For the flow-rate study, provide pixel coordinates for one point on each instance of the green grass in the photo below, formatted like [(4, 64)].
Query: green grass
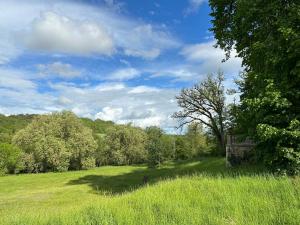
[(199, 192)]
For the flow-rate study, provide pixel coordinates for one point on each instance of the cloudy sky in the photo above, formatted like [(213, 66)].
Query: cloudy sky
[(119, 60)]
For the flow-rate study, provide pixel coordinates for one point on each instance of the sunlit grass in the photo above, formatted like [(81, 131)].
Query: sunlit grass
[(201, 192)]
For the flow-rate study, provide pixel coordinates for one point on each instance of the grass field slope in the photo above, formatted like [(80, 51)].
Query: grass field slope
[(195, 192)]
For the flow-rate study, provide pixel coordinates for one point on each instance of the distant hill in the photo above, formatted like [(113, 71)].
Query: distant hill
[(98, 126), (9, 125)]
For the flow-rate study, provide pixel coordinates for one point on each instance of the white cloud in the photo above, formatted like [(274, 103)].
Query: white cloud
[(61, 34), (146, 54), (64, 101), (140, 105), (181, 72), (109, 114), (19, 94), (142, 119), (123, 74), (15, 16), (60, 69), (14, 79), (75, 27), (145, 122), (193, 6), (147, 42), (199, 60), (142, 89), (209, 59), (202, 51), (7, 50), (110, 87)]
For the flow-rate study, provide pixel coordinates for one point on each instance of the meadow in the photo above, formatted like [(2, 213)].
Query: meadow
[(192, 192)]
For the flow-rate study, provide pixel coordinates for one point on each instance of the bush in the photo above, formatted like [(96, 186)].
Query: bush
[(88, 163), (285, 157), (125, 145), (29, 163), (10, 158)]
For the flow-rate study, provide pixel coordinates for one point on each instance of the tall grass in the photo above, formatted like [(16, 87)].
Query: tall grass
[(202, 192)]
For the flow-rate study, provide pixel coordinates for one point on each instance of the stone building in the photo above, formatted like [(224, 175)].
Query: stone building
[(237, 150)]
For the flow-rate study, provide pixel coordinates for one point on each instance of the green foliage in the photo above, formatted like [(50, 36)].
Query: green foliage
[(88, 163), (182, 148), (30, 164), (10, 158), (154, 146), (102, 152), (98, 126), (286, 157), (194, 143), (126, 145), (198, 143), (266, 35), (168, 147), (9, 125), (56, 142)]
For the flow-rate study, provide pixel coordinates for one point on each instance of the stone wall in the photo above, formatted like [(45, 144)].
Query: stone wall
[(236, 150)]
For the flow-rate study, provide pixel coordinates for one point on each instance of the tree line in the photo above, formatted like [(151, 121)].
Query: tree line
[(61, 141)]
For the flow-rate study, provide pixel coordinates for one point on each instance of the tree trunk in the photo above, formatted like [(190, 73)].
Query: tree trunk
[(221, 143)]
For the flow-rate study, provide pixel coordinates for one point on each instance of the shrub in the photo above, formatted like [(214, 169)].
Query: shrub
[(126, 145), (88, 163), (29, 163), (10, 158)]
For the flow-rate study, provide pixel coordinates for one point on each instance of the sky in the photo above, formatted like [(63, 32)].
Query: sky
[(118, 60)]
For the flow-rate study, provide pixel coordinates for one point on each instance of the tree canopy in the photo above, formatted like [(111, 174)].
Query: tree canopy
[(56, 142), (125, 145)]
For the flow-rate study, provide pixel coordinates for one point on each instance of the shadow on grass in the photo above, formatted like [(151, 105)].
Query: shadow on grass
[(213, 167)]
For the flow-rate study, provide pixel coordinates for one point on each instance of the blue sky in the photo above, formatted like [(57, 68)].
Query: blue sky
[(109, 59)]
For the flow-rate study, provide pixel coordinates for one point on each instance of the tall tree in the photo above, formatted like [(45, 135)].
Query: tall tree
[(205, 103), (56, 142), (155, 145), (125, 145), (266, 35)]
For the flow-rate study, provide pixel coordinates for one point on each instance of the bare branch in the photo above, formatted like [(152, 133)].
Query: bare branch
[(204, 103)]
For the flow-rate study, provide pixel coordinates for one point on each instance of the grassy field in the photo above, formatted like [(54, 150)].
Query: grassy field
[(199, 192)]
